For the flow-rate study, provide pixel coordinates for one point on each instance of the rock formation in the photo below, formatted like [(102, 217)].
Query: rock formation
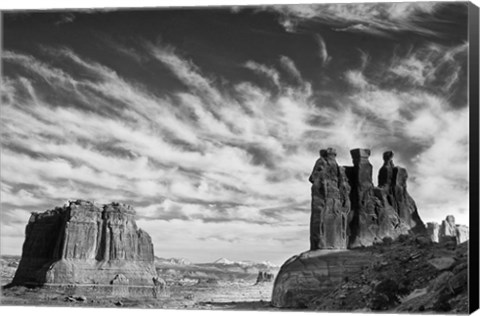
[(369, 224), (264, 276), (313, 274), (160, 288), (448, 231), (462, 233), (330, 203), (84, 243), (348, 211), (378, 212), (433, 231)]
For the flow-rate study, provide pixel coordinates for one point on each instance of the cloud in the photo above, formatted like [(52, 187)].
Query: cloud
[(322, 49), (270, 73), (213, 156), (361, 28), (377, 19), (289, 65), (434, 66), (430, 130), (184, 70), (20, 198), (356, 79), (65, 18)]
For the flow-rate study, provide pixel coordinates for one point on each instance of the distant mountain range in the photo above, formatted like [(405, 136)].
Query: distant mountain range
[(173, 261), (221, 261), (225, 261)]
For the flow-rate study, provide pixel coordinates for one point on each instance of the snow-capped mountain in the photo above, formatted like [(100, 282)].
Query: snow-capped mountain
[(173, 261), (269, 264), (224, 261), (244, 263)]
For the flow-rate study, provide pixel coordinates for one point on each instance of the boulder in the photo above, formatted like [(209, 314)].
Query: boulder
[(313, 274), (85, 243), (119, 279), (442, 263), (330, 203)]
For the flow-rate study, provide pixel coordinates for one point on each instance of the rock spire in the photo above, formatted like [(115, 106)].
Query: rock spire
[(330, 203), (349, 211)]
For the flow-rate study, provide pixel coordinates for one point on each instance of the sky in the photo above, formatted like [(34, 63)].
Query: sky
[(209, 121)]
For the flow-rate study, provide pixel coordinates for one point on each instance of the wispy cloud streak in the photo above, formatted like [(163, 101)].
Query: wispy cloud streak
[(380, 19)]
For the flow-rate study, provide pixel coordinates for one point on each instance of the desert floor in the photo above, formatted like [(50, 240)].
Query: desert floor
[(227, 296)]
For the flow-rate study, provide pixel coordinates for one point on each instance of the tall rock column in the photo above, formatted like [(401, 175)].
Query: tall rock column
[(330, 203), (385, 174), (405, 205), (364, 214), (392, 180)]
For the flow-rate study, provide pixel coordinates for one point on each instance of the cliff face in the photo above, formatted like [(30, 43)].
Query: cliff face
[(348, 211), (378, 212), (330, 203), (85, 244)]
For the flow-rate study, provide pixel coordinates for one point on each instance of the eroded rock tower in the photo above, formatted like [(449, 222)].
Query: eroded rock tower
[(86, 243), (348, 211)]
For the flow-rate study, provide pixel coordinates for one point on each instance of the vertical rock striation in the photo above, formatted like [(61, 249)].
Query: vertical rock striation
[(330, 203), (83, 243), (384, 211), (348, 211), (364, 226)]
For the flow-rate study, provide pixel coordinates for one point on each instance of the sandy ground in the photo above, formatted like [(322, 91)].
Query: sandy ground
[(226, 296), (241, 293)]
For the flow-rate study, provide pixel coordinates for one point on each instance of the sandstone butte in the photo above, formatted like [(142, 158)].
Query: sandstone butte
[(347, 212), (447, 230), (85, 243)]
